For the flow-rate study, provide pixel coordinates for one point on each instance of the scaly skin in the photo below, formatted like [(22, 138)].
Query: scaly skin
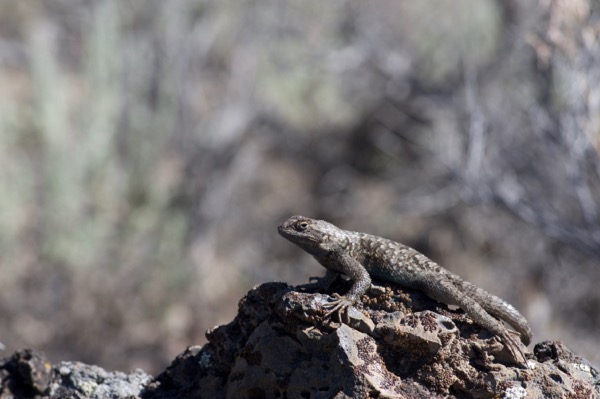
[(361, 256)]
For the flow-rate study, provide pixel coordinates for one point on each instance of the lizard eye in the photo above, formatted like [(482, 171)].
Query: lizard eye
[(301, 226)]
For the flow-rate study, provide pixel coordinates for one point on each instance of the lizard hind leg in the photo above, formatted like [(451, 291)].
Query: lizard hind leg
[(497, 307), (445, 290), (509, 314)]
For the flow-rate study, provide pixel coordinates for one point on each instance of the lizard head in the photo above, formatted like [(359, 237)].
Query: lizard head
[(309, 234)]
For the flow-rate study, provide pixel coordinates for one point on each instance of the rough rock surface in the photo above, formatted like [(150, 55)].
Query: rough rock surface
[(27, 374), (400, 344)]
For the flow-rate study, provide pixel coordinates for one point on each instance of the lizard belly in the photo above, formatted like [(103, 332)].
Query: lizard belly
[(390, 272)]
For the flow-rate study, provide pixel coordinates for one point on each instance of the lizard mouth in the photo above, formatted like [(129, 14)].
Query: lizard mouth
[(282, 229), (287, 232)]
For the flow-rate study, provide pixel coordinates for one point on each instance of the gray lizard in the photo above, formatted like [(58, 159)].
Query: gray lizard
[(360, 256)]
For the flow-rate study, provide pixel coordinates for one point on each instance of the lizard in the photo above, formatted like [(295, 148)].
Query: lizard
[(362, 256)]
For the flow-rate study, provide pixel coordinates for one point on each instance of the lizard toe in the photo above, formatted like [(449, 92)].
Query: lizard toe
[(514, 348), (339, 306)]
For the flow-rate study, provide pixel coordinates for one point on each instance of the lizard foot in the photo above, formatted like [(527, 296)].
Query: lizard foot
[(339, 306), (514, 348)]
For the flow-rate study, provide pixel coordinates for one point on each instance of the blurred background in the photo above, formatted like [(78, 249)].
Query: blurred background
[(149, 149)]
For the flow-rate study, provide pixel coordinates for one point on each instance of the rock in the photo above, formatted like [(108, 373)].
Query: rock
[(421, 335), (403, 345), (74, 378), (397, 344), (27, 374)]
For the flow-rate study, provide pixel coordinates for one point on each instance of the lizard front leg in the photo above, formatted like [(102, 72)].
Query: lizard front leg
[(347, 265), (319, 284)]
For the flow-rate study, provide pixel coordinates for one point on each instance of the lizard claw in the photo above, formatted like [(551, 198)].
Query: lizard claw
[(514, 348), (340, 306)]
